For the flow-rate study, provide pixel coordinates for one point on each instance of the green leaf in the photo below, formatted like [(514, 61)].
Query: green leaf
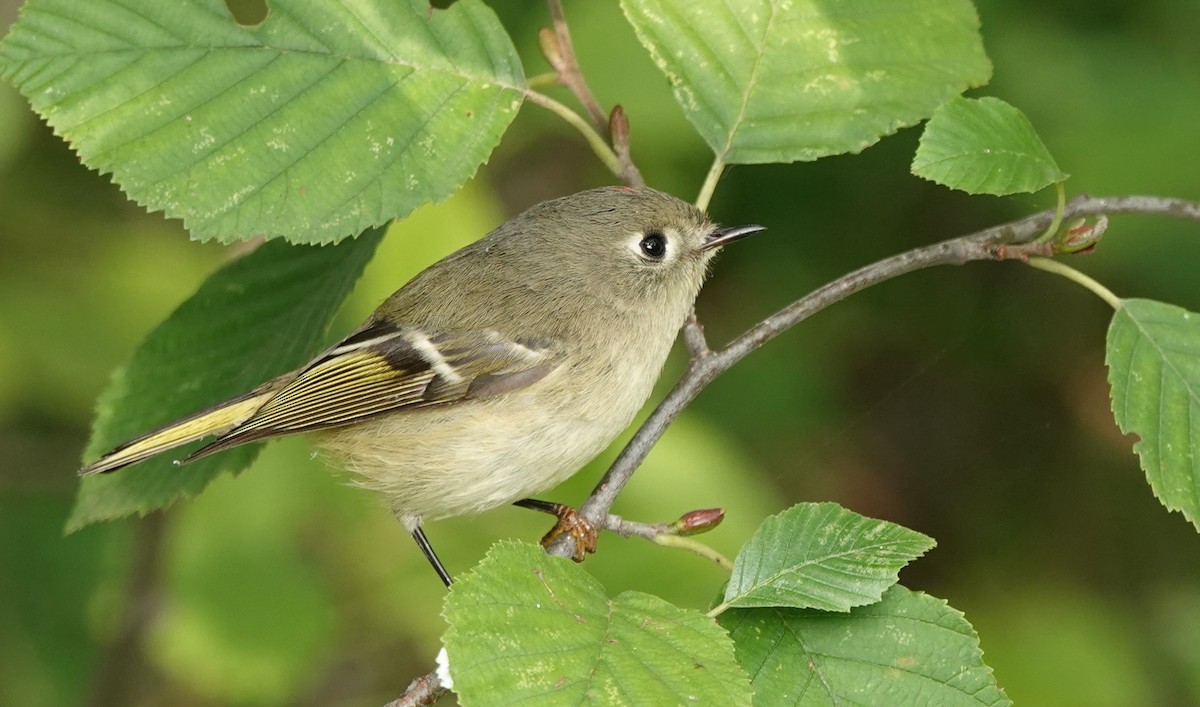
[(258, 317), (527, 628), (908, 649), (984, 146), (324, 120), (1153, 356), (787, 80), (821, 556)]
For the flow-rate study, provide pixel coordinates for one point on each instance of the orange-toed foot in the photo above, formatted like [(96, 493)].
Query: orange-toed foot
[(570, 522)]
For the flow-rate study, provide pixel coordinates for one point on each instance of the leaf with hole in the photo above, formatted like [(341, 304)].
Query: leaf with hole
[(323, 120), (1153, 357)]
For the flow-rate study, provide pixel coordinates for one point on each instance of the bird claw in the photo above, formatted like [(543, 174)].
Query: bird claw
[(573, 523)]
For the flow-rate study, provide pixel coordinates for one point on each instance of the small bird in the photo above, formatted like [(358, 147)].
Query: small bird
[(495, 373)]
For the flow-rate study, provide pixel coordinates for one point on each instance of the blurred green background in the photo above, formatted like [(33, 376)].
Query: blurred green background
[(968, 403)]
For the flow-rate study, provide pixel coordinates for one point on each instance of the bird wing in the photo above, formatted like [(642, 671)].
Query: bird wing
[(385, 368)]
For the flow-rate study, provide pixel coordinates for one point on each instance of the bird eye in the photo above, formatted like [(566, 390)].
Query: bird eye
[(654, 245)]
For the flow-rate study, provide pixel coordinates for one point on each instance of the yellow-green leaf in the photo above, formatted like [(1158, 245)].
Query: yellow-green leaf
[(788, 80), (325, 119), (530, 629)]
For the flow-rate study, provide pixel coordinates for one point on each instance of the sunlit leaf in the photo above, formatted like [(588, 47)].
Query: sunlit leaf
[(822, 556), (527, 628), (787, 80), (325, 119)]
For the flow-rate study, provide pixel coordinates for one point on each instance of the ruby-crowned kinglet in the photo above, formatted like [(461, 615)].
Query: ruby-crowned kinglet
[(498, 371)]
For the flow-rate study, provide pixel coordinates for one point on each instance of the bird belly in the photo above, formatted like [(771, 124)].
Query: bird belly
[(468, 458)]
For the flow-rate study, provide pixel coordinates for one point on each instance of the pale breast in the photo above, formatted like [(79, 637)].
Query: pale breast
[(477, 455)]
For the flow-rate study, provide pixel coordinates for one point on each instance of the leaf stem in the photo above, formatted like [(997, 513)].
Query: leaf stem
[(717, 610), (710, 184), (567, 65), (662, 534), (1058, 214), (542, 80), (1054, 266), (695, 547), (559, 51), (597, 142)]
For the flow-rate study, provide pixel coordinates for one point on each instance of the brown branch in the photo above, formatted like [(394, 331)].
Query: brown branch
[(618, 132), (421, 692), (567, 67), (693, 337), (559, 50), (690, 523), (1015, 240)]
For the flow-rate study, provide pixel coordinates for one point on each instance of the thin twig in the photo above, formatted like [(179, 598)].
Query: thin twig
[(631, 528), (1085, 205), (559, 50), (1014, 240), (618, 132), (665, 535), (595, 139), (693, 337), (421, 692), (568, 67)]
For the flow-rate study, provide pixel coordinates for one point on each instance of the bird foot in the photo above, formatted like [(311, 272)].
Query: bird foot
[(572, 522)]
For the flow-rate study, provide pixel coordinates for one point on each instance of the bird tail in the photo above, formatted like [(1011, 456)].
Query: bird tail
[(217, 419)]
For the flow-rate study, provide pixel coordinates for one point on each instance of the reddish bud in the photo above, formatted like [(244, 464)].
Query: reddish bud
[(1083, 235), (696, 522), (618, 126)]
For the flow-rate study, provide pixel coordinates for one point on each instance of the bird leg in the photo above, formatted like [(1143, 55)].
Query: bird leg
[(423, 543), (570, 521)]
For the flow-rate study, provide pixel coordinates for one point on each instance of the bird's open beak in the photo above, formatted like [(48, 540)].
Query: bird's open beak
[(729, 234)]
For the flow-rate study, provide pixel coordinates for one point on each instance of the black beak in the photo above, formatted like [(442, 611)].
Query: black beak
[(729, 234)]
